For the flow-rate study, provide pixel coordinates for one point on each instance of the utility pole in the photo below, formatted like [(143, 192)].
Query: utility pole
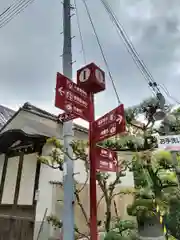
[(68, 134)]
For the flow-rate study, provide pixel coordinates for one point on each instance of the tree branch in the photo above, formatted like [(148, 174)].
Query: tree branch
[(136, 126), (101, 198), (116, 194), (81, 234), (84, 185), (81, 207), (169, 185)]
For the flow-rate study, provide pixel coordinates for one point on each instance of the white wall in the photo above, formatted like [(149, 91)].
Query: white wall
[(45, 192), (10, 180), (27, 182), (44, 200)]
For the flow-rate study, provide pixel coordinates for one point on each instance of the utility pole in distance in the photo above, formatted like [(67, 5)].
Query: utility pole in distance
[(68, 211)]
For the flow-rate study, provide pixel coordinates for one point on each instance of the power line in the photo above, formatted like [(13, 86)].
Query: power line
[(164, 88), (80, 33), (131, 49), (134, 54), (102, 52), (13, 11), (7, 9), (4, 11)]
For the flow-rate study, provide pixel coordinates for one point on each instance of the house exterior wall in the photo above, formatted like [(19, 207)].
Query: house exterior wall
[(48, 194), (121, 202), (10, 181), (44, 200), (26, 190), (53, 193)]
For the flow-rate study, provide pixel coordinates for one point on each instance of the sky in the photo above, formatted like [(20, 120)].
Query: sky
[(31, 47)]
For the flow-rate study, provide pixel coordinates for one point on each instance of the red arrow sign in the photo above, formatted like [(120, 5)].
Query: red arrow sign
[(65, 117), (71, 98), (109, 125), (106, 160)]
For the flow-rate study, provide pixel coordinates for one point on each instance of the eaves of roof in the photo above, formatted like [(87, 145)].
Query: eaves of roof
[(41, 113)]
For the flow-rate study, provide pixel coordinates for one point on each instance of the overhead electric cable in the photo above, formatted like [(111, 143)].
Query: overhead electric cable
[(80, 33), (13, 11), (125, 36), (131, 49), (4, 11), (11, 5), (102, 52), (164, 88)]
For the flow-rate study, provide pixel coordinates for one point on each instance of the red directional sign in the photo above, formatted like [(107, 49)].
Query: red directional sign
[(106, 160), (71, 98), (65, 117), (110, 124)]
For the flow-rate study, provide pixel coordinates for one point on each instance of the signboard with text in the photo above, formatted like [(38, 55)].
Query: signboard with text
[(71, 98), (65, 117), (109, 125), (106, 160), (169, 142)]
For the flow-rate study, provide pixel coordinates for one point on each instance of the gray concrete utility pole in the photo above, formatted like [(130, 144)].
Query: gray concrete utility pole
[(68, 134)]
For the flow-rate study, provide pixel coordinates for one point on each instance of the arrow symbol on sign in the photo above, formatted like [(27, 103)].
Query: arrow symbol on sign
[(61, 117), (115, 161), (60, 90), (119, 119), (70, 85), (110, 155)]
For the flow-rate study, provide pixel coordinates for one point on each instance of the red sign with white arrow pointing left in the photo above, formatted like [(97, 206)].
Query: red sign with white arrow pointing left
[(109, 125), (71, 98), (65, 117)]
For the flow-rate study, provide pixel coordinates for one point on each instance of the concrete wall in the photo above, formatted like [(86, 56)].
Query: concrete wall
[(120, 201), (51, 193)]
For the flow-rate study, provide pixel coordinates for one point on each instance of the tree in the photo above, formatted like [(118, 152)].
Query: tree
[(155, 185), (54, 159), (151, 175), (123, 230), (172, 219)]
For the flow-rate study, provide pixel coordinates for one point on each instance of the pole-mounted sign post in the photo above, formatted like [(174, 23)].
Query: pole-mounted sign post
[(77, 100)]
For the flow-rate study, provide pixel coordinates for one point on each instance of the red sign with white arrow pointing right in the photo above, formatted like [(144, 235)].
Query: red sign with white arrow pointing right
[(109, 125), (106, 160)]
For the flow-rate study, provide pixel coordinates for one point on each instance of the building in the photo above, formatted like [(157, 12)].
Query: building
[(30, 190)]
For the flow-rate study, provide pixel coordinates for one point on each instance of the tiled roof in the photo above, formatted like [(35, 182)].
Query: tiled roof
[(5, 115)]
